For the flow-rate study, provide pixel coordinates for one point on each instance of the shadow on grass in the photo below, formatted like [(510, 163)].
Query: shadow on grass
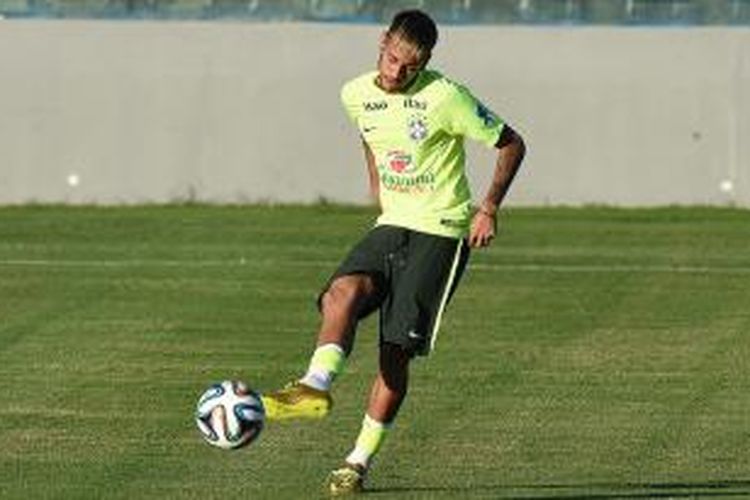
[(593, 491)]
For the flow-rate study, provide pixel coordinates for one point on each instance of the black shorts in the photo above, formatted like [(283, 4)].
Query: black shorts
[(415, 275)]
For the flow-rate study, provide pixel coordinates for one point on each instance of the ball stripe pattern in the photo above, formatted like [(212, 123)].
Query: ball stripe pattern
[(230, 415)]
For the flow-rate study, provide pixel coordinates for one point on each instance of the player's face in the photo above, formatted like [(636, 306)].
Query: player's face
[(399, 63)]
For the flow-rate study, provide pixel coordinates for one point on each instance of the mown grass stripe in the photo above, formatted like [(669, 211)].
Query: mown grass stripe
[(532, 268)]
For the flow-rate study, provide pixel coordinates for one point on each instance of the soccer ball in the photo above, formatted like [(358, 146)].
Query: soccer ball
[(230, 415)]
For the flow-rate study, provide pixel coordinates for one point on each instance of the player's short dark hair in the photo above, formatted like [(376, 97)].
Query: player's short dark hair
[(415, 27)]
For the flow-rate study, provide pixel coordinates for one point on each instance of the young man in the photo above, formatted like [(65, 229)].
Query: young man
[(413, 122)]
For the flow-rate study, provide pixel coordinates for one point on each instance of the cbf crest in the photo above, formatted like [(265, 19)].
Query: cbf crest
[(417, 127)]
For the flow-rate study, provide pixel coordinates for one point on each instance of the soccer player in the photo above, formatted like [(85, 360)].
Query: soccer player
[(412, 121)]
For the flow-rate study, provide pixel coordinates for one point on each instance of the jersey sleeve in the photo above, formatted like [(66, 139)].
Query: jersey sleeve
[(348, 101), (465, 115)]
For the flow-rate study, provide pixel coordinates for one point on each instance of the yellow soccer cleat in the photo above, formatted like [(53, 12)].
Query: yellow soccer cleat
[(297, 400), (347, 480)]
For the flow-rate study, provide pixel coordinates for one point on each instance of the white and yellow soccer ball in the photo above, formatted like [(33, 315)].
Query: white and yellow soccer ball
[(230, 415)]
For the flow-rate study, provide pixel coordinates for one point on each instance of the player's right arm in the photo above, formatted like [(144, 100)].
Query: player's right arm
[(372, 173), (352, 102)]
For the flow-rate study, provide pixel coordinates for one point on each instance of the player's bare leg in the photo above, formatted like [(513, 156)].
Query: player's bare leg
[(341, 305), (387, 393), (390, 385), (309, 397)]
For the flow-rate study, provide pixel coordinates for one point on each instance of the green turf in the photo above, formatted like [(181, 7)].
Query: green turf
[(590, 353)]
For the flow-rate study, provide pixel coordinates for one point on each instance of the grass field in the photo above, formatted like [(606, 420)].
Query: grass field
[(590, 353)]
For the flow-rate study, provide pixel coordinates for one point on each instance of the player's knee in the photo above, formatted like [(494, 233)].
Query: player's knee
[(337, 296), (345, 293)]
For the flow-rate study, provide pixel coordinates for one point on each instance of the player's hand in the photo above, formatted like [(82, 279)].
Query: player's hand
[(483, 229)]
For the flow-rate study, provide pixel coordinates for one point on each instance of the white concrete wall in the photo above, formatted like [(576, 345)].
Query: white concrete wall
[(238, 112)]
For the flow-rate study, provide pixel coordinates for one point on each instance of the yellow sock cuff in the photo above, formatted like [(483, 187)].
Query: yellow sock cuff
[(328, 358), (371, 436)]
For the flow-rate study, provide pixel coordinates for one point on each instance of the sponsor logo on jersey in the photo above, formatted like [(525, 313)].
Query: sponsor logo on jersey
[(411, 103), (375, 106), (399, 162), (397, 173), (411, 184)]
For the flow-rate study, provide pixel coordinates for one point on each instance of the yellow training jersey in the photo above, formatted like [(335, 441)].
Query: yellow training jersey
[(417, 138)]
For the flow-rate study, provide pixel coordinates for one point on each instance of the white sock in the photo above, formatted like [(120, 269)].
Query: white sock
[(369, 441), (318, 380)]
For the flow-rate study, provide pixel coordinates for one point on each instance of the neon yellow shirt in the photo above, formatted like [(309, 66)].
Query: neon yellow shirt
[(417, 139)]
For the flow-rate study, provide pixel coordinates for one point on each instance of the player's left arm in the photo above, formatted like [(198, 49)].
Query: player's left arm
[(372, 173), (511, 151)]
